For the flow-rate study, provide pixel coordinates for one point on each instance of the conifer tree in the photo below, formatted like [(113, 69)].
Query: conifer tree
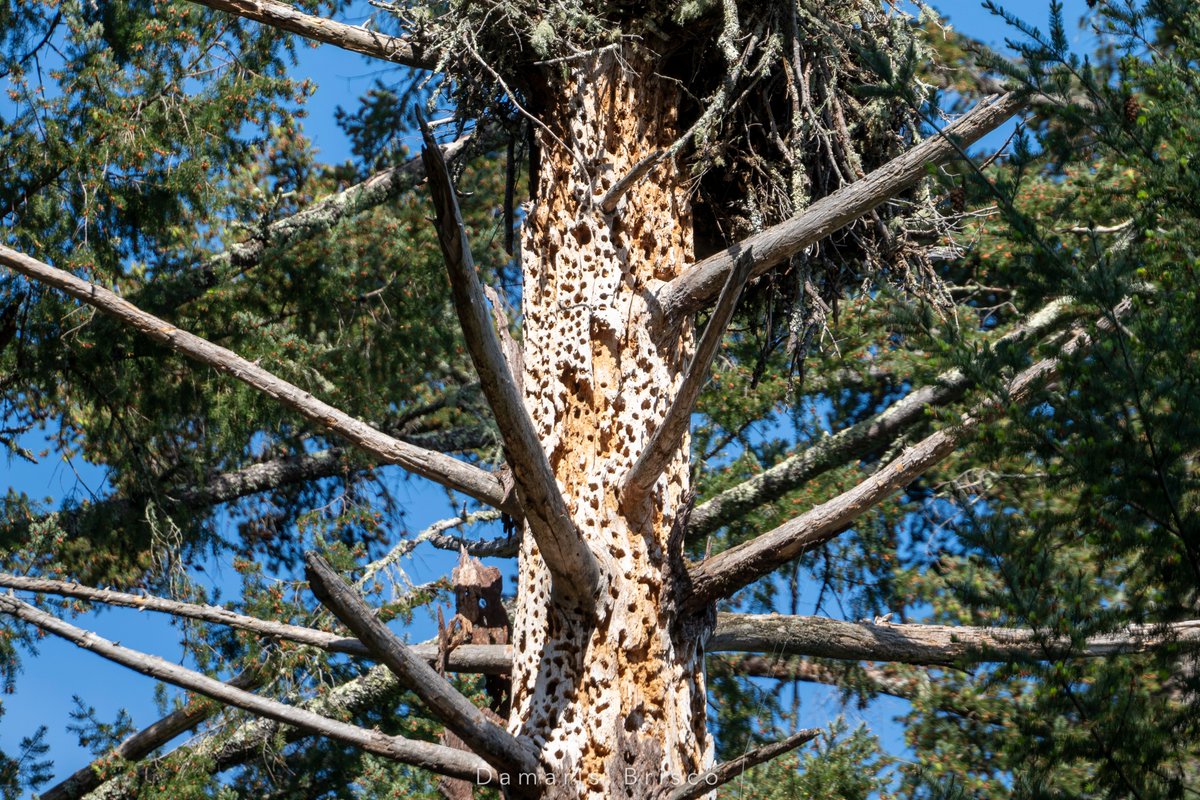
[(695, 304)]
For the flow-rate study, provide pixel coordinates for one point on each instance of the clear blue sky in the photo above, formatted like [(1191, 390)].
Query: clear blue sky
[(45, 688)]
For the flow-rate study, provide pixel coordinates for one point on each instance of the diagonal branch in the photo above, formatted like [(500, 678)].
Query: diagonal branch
[(575, 571), (702, 784), (675, 423), (699, 284), (465, 658), (729, 571), (497, 746), (268, 475), (436, 758), (323, 215), (397, 49), (858, 439), (141, 744), (437, 467), (257, 738)]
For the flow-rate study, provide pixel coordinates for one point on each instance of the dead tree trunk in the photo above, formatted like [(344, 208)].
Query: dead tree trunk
[(614, 696)]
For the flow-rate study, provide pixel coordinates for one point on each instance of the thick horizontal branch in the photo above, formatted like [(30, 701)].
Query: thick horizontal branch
[(575, 571), (493, 743), (699, 284), (664, 442), (436, 758), (943, 645), (142, 743), (857, 440), (437, 467), (731, 570), (815, 637), (397, 49), (700, 785)]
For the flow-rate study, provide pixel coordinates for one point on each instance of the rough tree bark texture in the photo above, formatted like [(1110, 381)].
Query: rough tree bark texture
[(615, 700)]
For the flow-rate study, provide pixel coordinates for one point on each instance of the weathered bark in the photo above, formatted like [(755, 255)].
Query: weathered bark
[(503, 751), (438, 759), (615, 699), (479, 618), (438, 467), (357, 39)]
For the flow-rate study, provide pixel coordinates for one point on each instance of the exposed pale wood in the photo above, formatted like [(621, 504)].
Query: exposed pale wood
[(608, 203), (699, 284), (856, 440), (664, 442), (510, 347), (435, 758), (490, 741), (577, 576), (729, 571), (438, 467), (725, 772), (397, 49)]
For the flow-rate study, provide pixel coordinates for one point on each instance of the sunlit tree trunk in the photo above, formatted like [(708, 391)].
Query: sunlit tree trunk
[(616, 702)]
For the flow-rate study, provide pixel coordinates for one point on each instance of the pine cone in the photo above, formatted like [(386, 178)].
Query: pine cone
[(958, 198), (1132, 109)]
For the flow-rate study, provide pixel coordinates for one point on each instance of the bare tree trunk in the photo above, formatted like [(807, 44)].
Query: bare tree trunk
[(613, 696)]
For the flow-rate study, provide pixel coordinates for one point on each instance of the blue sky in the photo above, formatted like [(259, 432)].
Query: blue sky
[(45, 688)]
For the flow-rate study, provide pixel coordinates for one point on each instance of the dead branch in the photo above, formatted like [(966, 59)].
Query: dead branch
[(699, 284), (467, 658), (397, 49), (576, 573), (323, 215), (140, 744), (944, 645), (608, 203), (426, 755), (815, 637), (494, 744), (257, 738), (677, 420), (437, 467), (700, 785), (858, 439), (729, 571)]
